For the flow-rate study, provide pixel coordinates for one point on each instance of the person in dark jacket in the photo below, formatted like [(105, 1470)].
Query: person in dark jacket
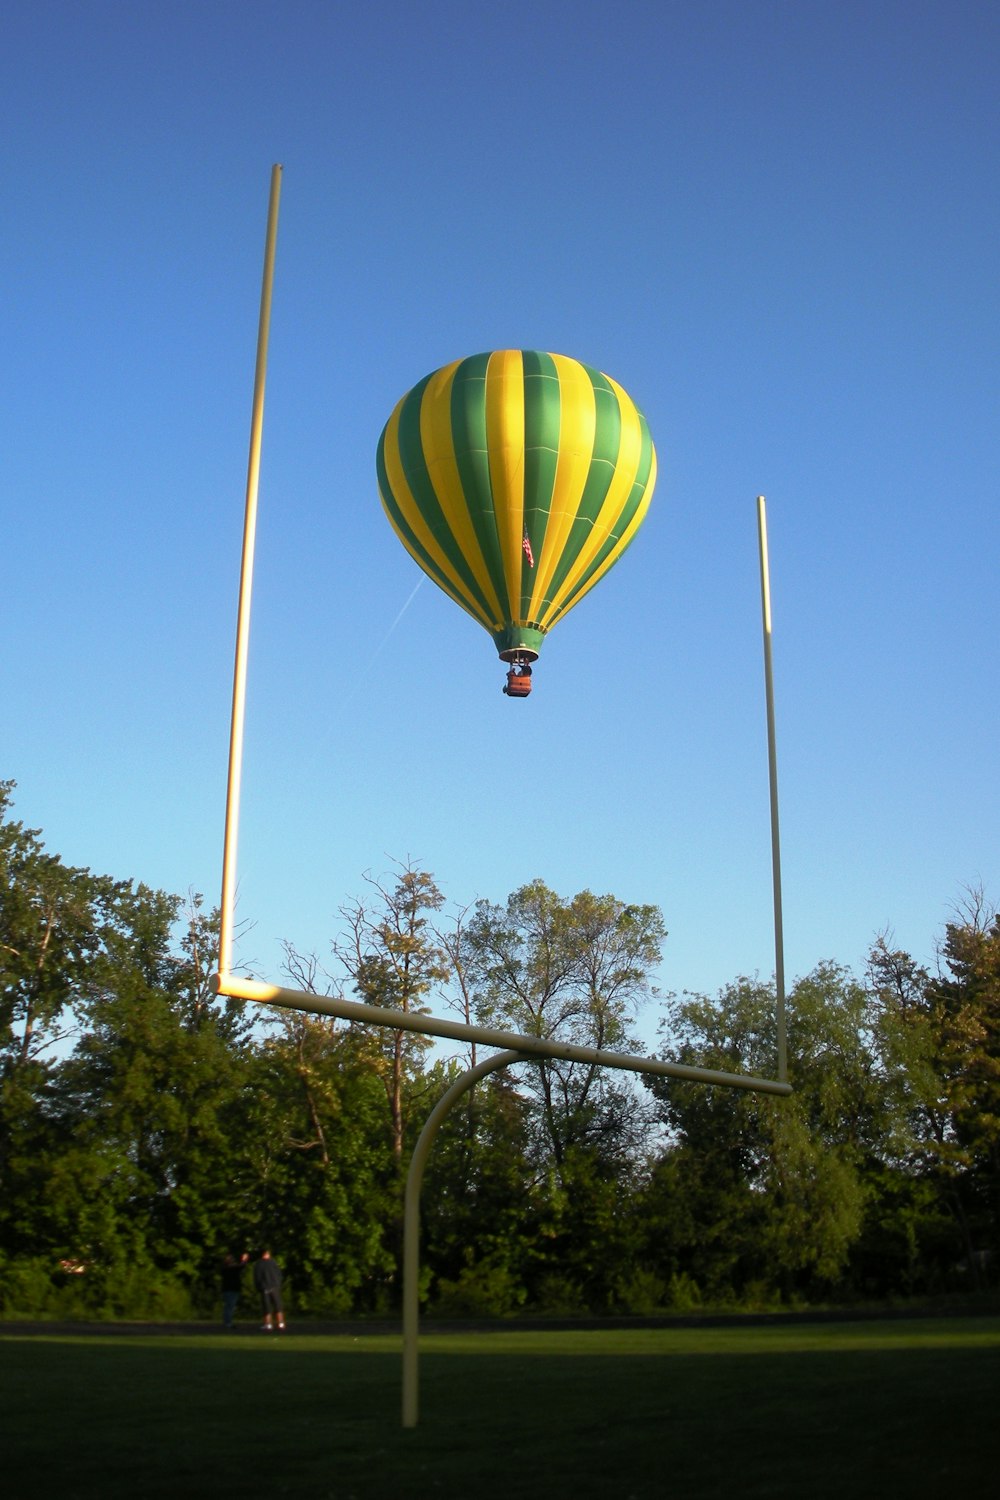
[(267, 1280), (232, 1285)]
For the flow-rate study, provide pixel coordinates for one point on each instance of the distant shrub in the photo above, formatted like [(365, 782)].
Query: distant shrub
[(683, 1293), (483, 1289), (32, 1288), (36, 1287), (145, 1293), (759, 1296), (643, 1293), (321, 1302), (559, 1297)]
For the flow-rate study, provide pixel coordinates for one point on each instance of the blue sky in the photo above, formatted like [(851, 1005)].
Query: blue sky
[(776, 224)]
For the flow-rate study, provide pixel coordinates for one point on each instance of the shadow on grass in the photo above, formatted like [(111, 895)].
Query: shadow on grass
[(152, 1418)]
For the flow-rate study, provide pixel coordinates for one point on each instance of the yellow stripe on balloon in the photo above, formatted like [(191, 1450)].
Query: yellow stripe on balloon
[(577, 430), (422, 534), (438, 444), (505, 444), (623, 541), (629, 455)]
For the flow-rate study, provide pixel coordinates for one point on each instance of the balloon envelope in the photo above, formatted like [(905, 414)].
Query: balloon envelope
[(516, 479)]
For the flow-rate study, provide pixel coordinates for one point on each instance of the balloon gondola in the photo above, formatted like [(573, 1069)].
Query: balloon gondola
[(516, 479), (518, 684)]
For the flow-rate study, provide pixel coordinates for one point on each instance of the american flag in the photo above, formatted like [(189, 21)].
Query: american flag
[(526, 548)]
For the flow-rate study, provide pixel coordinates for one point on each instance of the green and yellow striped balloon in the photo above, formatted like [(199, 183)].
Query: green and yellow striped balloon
[(516, 479)]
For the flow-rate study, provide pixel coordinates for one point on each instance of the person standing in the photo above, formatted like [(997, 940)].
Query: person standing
[(232, 1285), (267, 1280)]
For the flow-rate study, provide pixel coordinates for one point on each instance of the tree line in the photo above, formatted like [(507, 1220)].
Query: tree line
[(147, 1126)]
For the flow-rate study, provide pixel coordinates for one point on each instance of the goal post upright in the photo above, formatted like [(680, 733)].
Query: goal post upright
[(772, 771), (227, 918)]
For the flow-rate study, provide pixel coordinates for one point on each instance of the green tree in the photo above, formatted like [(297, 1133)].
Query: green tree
[(576, 971), (51, 918), (147, 1109), (480, 1203), (942, 1036), (390, 955), (318, 1165), (774, 1189)]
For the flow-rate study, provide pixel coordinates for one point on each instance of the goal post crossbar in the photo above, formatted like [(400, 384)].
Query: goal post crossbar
[(238, 988)]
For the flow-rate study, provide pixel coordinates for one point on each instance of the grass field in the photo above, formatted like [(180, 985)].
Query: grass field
[(807, 1410)]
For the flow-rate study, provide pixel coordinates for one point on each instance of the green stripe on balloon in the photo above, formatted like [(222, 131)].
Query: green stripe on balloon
[(468, 430), (612, 548), (542, 418), (607, 445), (411, 454)]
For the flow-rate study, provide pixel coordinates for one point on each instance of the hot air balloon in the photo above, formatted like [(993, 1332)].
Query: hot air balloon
[(516, 479)]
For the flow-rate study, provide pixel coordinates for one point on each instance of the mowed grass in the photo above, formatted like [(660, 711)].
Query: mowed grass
[(840, 1409)]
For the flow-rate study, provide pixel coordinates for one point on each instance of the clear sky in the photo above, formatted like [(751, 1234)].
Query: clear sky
[(776, 224)]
